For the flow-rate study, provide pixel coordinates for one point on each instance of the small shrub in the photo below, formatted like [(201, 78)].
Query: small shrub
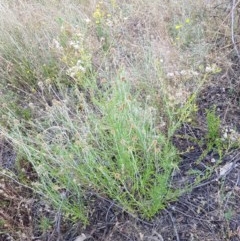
[(115, 150), (213, 128)]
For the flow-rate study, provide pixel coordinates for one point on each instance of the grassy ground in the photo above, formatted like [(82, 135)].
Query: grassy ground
[(112, 108)]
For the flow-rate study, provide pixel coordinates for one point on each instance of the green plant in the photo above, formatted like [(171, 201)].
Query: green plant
[(101, 17), (213, 130), (114, 150), (2, 223), (228, 214), (128, 159), (45, 224)]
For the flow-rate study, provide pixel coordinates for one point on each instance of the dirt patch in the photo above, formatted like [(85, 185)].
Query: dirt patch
[(7, 154), (223, 93)]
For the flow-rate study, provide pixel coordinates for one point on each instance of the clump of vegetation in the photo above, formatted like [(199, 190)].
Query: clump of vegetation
[(213, 130), (89, 120)]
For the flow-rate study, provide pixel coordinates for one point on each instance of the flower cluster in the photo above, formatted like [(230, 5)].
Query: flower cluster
[(182, 73), (73, 53), (99, 13), (77, 70)]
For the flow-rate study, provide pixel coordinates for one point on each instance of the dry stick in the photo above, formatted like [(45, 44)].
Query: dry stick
[(193, 217), (113, 204), (234, 4), (174, 226), (230, 193), (106, 217), (234, 161), (16, 181), (159, 236)]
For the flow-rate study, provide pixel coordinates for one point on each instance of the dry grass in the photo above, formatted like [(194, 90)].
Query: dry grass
[(140, 37)]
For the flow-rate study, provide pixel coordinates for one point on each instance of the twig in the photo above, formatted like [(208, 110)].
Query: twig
[(121, 208), (234, 4), (106, 217), (205, 183), (158, 238), (234, 161), (174, 226), (2, 172), (230, 193), (187, 215)]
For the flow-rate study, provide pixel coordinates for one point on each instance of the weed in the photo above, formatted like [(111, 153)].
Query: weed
[(2, 223), (133, 162), (213, 130), (45, 224), (101, 18), (122, 156), (228, 215)]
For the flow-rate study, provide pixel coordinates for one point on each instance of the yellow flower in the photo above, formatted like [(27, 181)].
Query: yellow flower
[(178, 26), (113, 2), (187, 20), (99, 14)]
